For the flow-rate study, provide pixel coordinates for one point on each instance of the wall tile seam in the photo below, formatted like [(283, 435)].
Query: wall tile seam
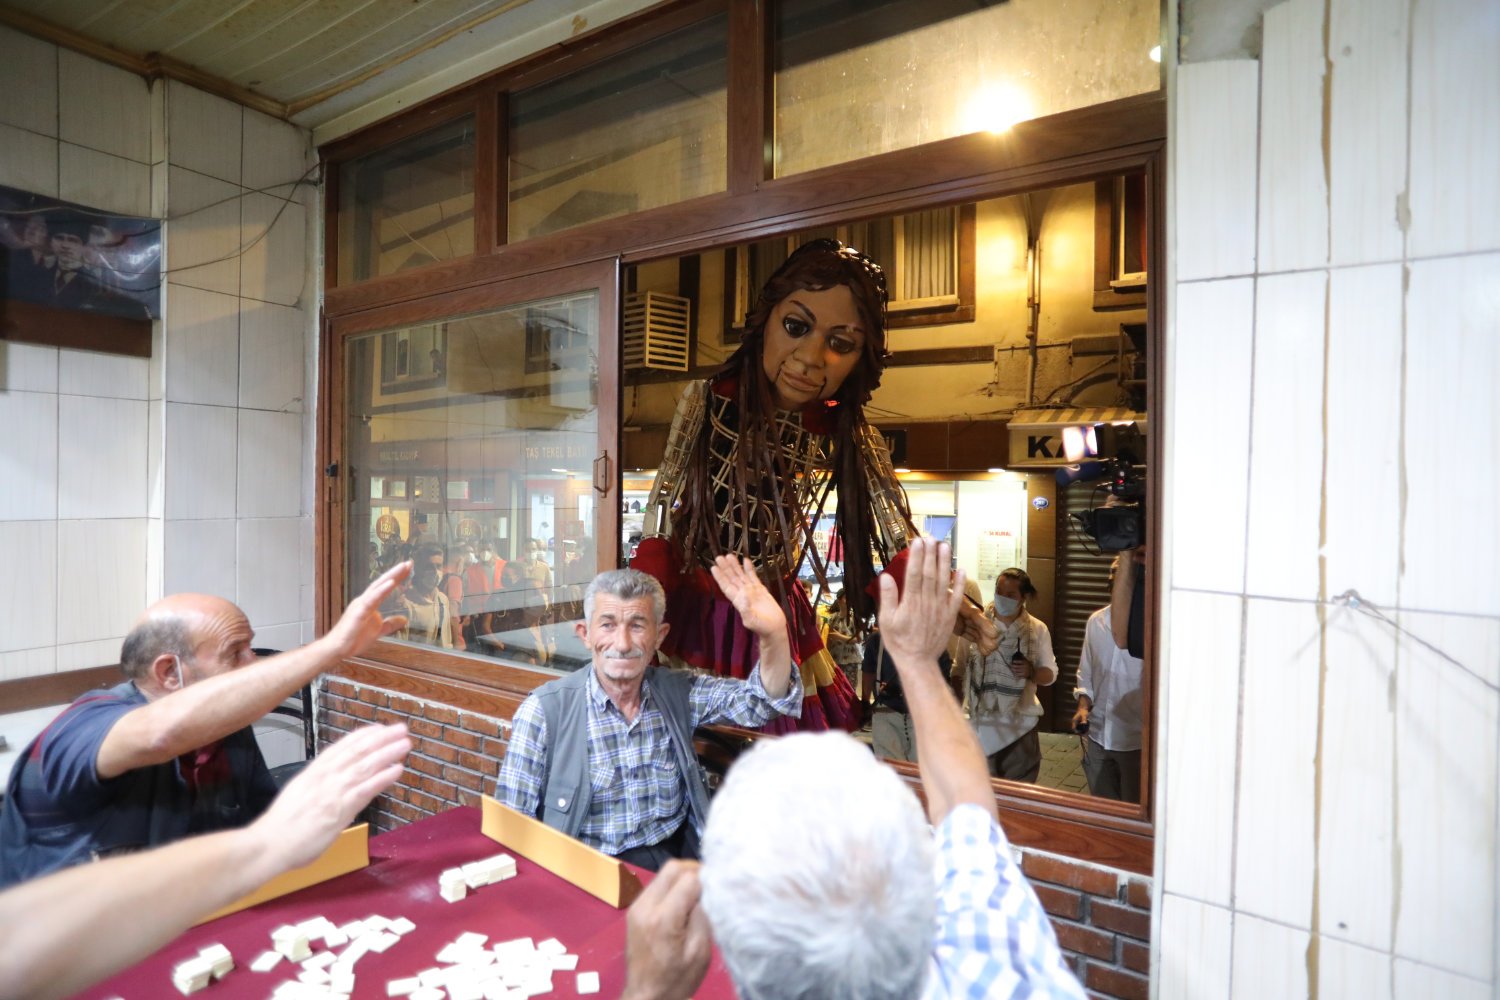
[(1389, 608), (57, 138), (178, 166)]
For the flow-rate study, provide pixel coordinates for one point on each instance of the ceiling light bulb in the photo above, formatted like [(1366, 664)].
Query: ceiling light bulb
[(1155, 53)]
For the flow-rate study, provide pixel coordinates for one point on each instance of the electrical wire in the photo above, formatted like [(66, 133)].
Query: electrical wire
[(286, 200)]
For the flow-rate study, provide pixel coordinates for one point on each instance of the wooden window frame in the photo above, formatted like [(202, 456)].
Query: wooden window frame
[(1108, 233), (900, 315), (1073, 147)]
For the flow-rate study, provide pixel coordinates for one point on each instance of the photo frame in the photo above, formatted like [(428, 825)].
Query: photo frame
[(74, 276)]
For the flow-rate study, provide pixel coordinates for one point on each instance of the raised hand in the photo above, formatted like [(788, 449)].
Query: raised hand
[(915, 624), (362, 623), (321, 801), (758, 609)]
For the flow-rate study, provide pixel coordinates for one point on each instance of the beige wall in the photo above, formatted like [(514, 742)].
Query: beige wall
[(1328, 782), (123, 478)]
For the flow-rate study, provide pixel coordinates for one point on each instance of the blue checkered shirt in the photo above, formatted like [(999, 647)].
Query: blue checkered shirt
[(637, 796), (993, 938)]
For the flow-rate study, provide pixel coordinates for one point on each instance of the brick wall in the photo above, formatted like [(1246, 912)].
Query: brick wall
[(1102, 916), (455, 755)]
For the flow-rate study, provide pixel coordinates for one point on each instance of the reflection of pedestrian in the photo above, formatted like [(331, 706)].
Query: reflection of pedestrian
[(1109, 705), (1003, 706)]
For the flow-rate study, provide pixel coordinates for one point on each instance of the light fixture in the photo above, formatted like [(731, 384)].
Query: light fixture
[(1155, 53), (994, 472), (903, 472), (994, 108)]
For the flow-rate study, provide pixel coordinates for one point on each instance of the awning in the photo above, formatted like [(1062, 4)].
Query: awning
[(1076, 416)]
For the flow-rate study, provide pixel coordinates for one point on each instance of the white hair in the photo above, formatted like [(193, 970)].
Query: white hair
[(628, 585), (818, 873)]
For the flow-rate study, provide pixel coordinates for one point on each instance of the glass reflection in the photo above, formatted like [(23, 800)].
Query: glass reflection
[(470, 445)]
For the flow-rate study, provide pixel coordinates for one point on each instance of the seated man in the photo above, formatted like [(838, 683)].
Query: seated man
[(606, 754), (818, 876), (169, 752)]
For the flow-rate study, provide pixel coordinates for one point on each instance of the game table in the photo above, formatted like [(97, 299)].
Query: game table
[(402, 881)]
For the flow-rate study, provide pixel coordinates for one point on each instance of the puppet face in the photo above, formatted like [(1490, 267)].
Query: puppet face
[(813, 341)]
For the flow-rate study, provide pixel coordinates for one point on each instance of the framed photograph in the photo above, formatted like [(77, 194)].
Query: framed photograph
[(77, 277)]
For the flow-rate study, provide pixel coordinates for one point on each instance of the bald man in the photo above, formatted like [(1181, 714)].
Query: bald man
[(169, 752)]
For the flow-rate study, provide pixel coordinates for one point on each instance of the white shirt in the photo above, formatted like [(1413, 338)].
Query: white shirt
[(1111, 678), (1002, 706)]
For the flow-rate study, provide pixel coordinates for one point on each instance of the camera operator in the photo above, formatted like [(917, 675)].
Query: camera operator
[(1001, 687), (1109, 694)]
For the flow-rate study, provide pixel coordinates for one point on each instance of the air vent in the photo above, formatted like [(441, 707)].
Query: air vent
[(656, 331)]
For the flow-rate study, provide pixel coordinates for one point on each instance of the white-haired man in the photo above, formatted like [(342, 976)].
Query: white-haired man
[(606, 754), (829, 889)]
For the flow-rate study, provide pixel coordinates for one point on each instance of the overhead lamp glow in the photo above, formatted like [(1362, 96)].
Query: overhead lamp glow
[(994, 472), (902, 472), (1155, 53), (996, 107)]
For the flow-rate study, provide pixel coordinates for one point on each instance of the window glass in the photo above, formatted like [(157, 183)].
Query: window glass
[(407, 205), (860, 77), (469, 445), (643, 129)]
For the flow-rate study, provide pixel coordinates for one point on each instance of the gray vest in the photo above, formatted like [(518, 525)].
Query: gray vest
[(566, 791)]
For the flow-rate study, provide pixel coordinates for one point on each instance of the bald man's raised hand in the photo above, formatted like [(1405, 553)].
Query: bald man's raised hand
[(362, 624)]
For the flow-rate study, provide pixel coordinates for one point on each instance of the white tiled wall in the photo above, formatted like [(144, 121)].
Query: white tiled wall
[(124, 478), (1339, 371)]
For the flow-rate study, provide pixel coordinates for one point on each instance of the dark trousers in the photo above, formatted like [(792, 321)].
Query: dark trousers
[(682, 844), (1021, 761)]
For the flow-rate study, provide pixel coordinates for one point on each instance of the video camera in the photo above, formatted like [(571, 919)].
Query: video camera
[(1115, 522)]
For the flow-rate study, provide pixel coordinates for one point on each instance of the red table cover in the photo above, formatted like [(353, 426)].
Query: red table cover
[(402, 881)]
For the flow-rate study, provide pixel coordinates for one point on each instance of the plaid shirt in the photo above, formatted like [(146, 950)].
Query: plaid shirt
[(993, 939), (637, 796)]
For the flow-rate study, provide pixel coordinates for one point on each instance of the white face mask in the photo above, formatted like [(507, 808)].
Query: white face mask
[(1005, 607)]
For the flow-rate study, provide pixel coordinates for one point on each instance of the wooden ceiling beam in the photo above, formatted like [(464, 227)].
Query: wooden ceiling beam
[(151, 65)]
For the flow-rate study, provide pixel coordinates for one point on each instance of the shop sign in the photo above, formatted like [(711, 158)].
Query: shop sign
[(387, 527), (1037, 447)]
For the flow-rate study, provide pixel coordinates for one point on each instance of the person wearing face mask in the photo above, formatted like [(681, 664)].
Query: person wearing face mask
[(481, 579), (605, 754), (429, 615), (1001, 685), (169, 752), (451, 582)]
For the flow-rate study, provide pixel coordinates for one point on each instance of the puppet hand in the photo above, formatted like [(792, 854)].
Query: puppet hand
[(978, 629)]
